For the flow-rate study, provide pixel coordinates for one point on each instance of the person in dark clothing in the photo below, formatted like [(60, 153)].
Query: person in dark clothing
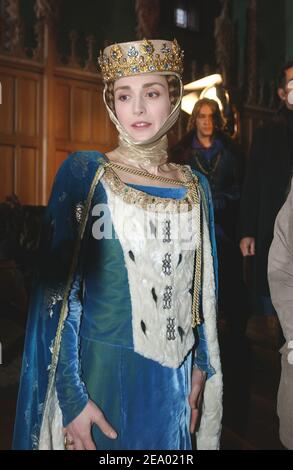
[(265, 189), (209, 150)]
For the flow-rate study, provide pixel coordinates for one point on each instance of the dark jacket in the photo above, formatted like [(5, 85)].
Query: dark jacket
[(223, 174), (265, 188)]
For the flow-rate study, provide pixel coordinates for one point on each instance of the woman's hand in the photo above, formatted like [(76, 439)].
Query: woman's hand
[(247, 246), (78, 432), (197, 386)]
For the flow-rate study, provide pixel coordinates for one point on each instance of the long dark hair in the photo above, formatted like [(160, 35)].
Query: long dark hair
[(218, 118), (281, 82)]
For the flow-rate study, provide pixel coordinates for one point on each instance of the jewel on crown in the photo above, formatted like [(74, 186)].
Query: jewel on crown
[(126, 59)]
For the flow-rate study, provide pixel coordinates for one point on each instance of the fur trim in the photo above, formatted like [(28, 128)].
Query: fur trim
[(160, 274), (51, 434), (208, 436)]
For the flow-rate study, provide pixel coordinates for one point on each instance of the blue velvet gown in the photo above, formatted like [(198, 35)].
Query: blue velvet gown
[(145, 402)]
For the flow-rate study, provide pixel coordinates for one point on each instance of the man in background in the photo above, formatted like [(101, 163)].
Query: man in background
[(280, 275), (266, 186), (209, 150)]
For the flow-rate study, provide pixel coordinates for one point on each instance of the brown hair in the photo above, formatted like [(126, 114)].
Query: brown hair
[(282, 75), (173, 85), (174, 89), (218, 118)]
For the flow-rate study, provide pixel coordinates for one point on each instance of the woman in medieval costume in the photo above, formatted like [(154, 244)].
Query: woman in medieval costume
[(126, 289)]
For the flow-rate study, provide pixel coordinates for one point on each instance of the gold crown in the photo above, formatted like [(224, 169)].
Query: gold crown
[(132, 58)]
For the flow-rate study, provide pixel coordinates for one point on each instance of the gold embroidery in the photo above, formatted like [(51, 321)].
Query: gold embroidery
[(192, 198), (52, 297), (146, 201), (78, 211)]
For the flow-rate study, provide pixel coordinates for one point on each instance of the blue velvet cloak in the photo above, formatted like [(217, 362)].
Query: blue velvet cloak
[(58, 244)]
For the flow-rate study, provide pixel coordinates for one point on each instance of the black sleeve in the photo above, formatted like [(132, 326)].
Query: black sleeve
[(249, 206), (238, 167)]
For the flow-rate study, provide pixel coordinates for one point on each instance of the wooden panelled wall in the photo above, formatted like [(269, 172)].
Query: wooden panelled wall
[(47, 111), (80, 121), (21, 133)]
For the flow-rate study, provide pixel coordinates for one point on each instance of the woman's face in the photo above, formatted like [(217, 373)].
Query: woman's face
[(142, 104)]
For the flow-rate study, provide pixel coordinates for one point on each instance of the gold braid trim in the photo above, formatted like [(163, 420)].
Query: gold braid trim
[(146, 201), (193, 187), (64, 307)]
